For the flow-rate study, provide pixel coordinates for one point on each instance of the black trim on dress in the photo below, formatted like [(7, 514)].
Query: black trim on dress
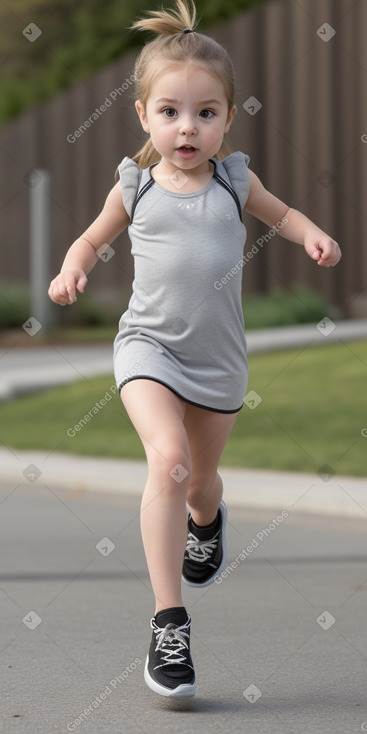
[(216, 176), (139, 195), (228, 187), (197, 405)]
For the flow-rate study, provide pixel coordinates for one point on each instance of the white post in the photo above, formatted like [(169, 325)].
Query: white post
[(40, 247)]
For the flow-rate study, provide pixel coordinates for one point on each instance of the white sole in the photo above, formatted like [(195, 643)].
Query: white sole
[(186, 690), (223, 509)]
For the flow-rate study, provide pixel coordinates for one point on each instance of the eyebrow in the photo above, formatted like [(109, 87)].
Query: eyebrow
[(175, 101)]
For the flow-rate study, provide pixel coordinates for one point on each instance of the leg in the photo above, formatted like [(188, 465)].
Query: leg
[(157, 415), (207, 433)]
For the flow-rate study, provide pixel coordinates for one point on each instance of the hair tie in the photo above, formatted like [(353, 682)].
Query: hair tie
[(188, 30)]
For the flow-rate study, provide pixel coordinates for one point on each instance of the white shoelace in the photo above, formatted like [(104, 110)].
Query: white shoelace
[(200, 550), (171, 641)]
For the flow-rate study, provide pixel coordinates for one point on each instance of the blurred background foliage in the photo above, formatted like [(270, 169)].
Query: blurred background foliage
[(78, 39)]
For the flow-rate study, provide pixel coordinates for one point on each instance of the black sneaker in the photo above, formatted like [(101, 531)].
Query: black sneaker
[(169, 669), (205, 558)]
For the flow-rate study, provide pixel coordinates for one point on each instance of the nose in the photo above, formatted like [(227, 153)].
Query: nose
[(188, 126)]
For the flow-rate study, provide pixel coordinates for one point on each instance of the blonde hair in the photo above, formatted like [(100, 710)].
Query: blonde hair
[(173, 45)]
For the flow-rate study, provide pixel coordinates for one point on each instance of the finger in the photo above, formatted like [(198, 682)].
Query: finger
[(71, 293), (332, 255), (326, 251), (61, 296), (316, 255), (67, 289), (54, 293), (82, 282), (328, 261), (324, 259)]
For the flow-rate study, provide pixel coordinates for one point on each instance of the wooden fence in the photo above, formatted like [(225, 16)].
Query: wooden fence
[(304, 61)]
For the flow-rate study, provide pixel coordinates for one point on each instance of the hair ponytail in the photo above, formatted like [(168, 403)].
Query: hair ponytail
[(175, 46), (168, 23)]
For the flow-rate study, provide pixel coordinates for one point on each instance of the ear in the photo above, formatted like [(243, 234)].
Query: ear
[(230, 117), (142, 115)]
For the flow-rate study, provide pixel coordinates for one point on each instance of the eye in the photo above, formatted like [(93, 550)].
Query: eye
[(169, 112), (206, 114)]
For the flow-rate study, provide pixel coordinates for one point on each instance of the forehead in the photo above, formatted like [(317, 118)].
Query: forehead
[(185, 80)]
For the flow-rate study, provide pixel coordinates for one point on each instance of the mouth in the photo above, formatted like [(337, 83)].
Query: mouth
[(187, 146), (186, 151)]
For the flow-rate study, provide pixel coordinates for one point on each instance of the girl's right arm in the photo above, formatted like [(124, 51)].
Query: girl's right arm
[(82, 255)]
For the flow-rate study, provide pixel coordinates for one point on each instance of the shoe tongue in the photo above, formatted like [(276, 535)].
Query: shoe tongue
[(173, 615)]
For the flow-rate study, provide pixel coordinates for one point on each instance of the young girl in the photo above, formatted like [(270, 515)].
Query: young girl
[(180, 353)]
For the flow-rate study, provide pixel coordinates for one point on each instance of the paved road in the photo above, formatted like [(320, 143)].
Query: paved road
[(256, 632)]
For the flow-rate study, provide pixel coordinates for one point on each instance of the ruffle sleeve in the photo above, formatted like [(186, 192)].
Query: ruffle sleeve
[(236, 167), (130, 174)]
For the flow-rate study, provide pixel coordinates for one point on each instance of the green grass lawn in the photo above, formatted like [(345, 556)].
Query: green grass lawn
[(312, 411)]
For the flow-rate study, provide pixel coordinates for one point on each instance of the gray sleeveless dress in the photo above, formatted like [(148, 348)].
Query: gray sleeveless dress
[(184, 325)]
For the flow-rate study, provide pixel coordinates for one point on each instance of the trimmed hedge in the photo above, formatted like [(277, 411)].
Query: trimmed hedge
[(280, 307)]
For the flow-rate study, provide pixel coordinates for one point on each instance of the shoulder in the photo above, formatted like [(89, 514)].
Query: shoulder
[(128, 165), (129, 179), (236, 159), (236, 168)]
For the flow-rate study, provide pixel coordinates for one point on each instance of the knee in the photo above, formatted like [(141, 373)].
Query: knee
[(171, 465), (178, 466)]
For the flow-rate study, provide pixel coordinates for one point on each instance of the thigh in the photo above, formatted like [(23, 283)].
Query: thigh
[(207, 433), (157, 415)]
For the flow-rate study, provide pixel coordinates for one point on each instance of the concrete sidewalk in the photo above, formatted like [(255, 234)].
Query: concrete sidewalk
[(26, 370), (252, 488)]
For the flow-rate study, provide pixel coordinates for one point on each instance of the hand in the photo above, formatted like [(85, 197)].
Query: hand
[(324, 250), (63, 288)]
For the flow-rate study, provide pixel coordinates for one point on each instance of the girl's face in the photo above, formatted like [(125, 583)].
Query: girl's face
[(186, 115)]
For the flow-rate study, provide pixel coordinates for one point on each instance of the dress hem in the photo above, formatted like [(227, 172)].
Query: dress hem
[(191, 402)]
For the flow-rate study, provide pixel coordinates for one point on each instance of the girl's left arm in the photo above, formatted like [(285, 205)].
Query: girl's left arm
[(291, 224)]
